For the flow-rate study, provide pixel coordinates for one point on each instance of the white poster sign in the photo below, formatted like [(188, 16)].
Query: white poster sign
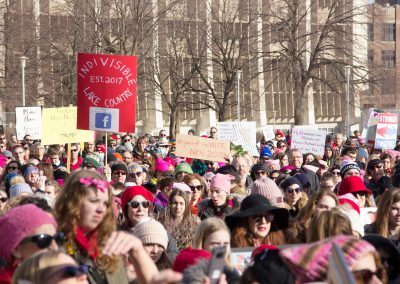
[(28, 121), (268, 132), (309, 140), (240, 133)]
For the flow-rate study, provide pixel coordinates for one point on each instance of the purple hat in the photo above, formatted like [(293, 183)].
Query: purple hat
[(19, 223)]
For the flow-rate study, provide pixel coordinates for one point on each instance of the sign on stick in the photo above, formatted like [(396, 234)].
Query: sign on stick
[(308, 140), (28, 121)]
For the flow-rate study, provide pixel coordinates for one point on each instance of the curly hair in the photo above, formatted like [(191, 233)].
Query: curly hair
[(67, 213)]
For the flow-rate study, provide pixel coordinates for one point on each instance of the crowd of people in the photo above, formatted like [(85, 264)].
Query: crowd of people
[(126, 209)]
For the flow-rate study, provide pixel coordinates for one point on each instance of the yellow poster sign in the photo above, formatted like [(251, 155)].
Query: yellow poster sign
[(59, 127)]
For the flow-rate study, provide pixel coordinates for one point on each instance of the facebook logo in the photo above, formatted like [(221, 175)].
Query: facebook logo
[(102, 120)]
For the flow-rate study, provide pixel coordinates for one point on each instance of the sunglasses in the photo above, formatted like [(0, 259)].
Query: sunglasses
[(336, 173), (377, 166), (2, 138), (44, 240), (268, 218), (163, 135), (197, 187), (3, 199), (119, 173), (74, 150), (260, 173), (13, 168), (291, 190), (135, 174), (360, 193), (127, 140), (366, 275), (136, 204), (69, 271)]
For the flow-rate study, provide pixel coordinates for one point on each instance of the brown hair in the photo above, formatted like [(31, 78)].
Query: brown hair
[(67, 213), (381, 226), (47, 169), (188, 178), (328, 224), (242, 236)]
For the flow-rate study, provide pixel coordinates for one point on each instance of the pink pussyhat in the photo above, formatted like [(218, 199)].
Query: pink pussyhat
[(222, 182), (161, 165)]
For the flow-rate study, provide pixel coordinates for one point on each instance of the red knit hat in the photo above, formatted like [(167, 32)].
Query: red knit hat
[(352, 184), (132, 191), (188, 257)]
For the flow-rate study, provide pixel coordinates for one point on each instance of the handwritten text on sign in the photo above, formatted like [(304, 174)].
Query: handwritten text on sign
[(201, 148), (59, 127), (309, 140), (28, 121)]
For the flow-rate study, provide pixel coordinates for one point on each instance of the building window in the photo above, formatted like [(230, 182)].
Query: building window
[(389, 32), (370, 57), (370, 32), (388, 58)]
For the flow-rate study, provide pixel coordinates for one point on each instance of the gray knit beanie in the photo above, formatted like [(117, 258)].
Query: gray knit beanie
[(18, 189), (151, 232)]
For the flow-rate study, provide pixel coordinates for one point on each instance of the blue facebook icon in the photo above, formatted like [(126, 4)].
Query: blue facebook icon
[(102, 120)]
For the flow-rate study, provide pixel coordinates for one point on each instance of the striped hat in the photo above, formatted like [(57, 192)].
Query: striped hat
[(310, 262)]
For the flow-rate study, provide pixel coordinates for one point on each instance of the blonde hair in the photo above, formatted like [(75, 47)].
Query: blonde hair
[(36, 268), (67, 213), (206, 228)]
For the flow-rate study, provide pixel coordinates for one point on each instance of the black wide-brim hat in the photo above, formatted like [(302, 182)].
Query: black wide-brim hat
[(255, 204)]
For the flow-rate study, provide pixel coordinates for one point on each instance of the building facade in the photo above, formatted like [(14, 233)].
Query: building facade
[(187, 42)]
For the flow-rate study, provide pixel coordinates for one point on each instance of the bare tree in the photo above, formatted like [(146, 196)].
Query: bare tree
[(227, 41), (311, 43)]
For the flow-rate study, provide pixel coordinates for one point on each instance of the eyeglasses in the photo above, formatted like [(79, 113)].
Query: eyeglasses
[(138, 174), (336, 173), (44, 240), (69, 272), (3, 199), (136, 204), (269, 218), (119, 173), (260, 173), (197, 187), (292, 190), (366, 275)]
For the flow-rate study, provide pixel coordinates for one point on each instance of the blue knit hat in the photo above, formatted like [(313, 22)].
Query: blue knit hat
[(31, 169), (266, 152)]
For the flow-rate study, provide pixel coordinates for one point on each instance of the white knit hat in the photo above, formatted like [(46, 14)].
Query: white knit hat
[(151, 232)]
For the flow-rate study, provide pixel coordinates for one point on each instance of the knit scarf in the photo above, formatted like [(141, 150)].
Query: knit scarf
[(88, 242)]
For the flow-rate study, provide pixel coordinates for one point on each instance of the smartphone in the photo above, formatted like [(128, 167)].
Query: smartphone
[(216, 265)]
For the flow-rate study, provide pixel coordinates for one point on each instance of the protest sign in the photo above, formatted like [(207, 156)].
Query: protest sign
[(106, 96), (59, 127), (28, 120), (239, 133), (386, 131), (268, 132), (201, 148), (309, 140), (240, 258)]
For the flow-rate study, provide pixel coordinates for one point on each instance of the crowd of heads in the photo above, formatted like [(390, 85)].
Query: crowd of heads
[(128, 209)]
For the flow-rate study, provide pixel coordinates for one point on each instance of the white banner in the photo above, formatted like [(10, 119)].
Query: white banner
[(240, 133), (28, 121), (308, 140)]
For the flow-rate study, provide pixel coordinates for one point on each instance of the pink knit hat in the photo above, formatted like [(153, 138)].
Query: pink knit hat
[(222, 182), (161, 165), (181, 186), (19, 223), (310, 262), (268, 188)]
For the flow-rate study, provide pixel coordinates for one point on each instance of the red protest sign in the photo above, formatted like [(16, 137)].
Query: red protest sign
[(106, 98)]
